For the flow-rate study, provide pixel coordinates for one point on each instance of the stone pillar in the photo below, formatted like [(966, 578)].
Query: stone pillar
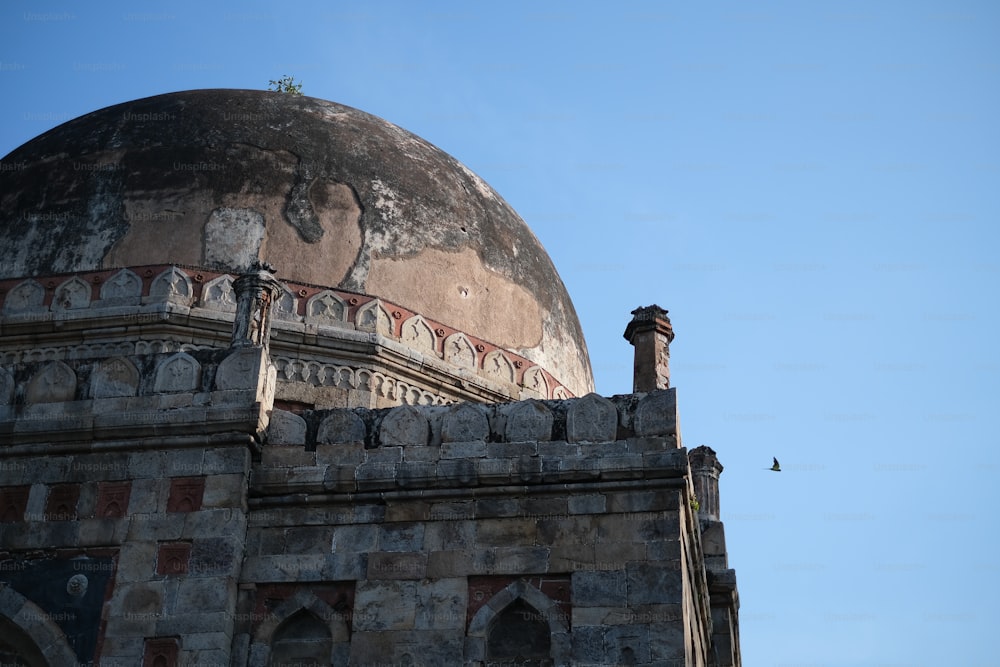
[(256, 292), (705, 469), (650, 333)]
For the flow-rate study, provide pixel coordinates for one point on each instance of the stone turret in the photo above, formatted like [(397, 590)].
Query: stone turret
[(650, 333), (255, 295), (705, 470)]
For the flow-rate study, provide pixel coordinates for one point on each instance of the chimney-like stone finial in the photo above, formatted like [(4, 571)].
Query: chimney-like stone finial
[(650, 333), (256, 292), (705, 471)]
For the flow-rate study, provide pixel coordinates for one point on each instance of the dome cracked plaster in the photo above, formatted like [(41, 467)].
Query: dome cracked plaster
[(329, 195)]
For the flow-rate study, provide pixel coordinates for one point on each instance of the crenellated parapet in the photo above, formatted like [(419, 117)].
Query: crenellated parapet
[(591, 438)]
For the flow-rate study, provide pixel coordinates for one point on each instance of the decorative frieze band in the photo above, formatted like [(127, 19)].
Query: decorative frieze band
[(50, 298)]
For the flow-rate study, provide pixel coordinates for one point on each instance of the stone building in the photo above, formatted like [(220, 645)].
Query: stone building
[(283, 384)]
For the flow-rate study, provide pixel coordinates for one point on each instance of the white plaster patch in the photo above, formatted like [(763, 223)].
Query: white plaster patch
[(233, 237), (386, 201)]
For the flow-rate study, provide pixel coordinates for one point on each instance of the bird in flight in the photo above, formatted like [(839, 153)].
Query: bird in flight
[(775, 467)]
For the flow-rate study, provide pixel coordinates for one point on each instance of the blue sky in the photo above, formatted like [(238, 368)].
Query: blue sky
[(812, 190)]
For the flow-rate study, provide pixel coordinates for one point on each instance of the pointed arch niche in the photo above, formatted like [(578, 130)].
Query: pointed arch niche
[(302, 630), (519, 625)]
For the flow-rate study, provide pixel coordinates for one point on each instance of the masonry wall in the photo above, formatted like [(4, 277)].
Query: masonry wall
[(433, 520), (146, 513)]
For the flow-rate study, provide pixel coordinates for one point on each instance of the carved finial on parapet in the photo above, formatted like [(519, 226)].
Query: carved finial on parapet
[(650, 333), (705, 471), (256, 292)]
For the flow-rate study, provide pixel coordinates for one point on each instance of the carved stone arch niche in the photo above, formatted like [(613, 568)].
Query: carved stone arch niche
[(326, 308), (302, 630), (519, 625), (374, 317), (29, 637)]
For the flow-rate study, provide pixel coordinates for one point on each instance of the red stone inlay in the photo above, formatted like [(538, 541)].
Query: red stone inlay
[(61, 503), (13, 503), (161, 652), (173, 558), (112, 499), (186, 494)]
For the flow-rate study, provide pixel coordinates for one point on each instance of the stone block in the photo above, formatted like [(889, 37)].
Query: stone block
[(663, 550), (493, 471), (212, 522), (552, 507), (305, 540), (401, 537), (396, 565), (599, 588), (203, 594), (384, 455), (465, 422), (656, 413), (288, 456), (346, 566), (407, 510), (527, 421), (457, 472), (418, 647), (653, 583), (588, 645), (286, 428), (340, 479), (521, 560), (498, 506), (341, 426), (643, 501), (463, 449), (98, 532), (187, 462), (616, 555), (506, 450), (592, 418), (449, 563), (442, 604), (565, 529), (416, 475), (572, 557), (506, 532), (593, 503), (445, 535), (155, 527), (244, 368), (655, 443), (453, 510), (384, 605), (214, 556), (191, 621), (356, 538), (340, 454), (627, 644), (225, 491), (405, 425), (421, 454), (667, 642), (369, 476), (558, 449)]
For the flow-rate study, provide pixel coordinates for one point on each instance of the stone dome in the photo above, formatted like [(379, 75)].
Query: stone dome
[(329, 195)]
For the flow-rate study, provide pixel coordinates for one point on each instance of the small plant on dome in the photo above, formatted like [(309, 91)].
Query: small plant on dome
[(695, 505), (285, 84)]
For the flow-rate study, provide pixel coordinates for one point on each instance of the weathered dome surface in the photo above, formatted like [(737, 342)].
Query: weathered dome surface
[(329, 195)]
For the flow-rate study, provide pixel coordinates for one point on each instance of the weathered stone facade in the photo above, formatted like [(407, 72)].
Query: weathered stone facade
[(201, 467)]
